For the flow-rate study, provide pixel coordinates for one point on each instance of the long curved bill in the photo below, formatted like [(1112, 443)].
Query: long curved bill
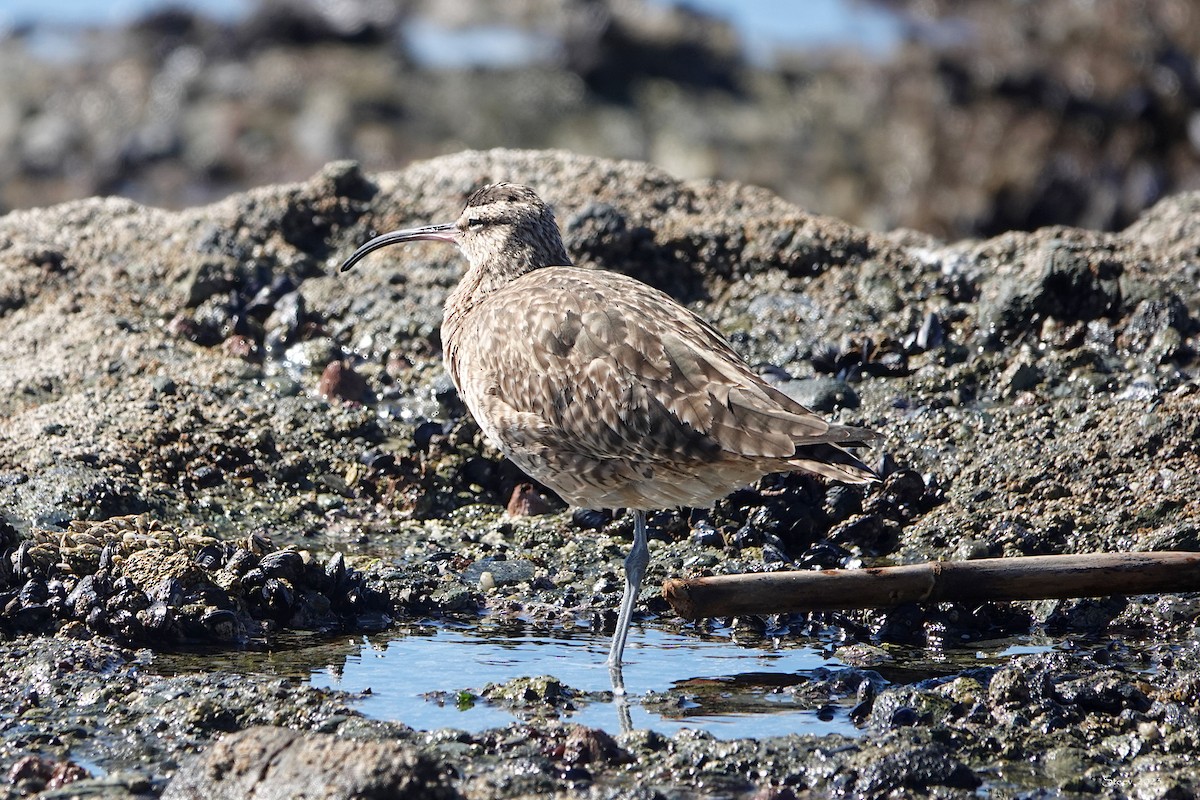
[(437, 233)]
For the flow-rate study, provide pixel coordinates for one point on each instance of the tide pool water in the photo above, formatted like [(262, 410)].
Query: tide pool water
[(728, 690)]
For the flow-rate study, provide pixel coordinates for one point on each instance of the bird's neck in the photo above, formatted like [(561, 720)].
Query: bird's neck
[(489, 275), (480, 281), (464, 297)]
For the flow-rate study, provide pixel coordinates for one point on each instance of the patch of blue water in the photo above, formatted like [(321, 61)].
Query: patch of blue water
[(1012, 650), (436, 46), (74, 13), (415, 678), (766, 29)]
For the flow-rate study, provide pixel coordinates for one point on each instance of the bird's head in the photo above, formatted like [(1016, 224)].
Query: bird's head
[(504, 231)]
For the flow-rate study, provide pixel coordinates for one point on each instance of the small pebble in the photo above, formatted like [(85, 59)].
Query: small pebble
[(527, 501), (487, 581), (340, 381)]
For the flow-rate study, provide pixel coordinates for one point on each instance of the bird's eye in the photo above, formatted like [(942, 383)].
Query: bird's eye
[(474, 224)]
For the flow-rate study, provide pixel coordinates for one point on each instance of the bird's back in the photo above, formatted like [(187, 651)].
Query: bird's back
[(614, 395)]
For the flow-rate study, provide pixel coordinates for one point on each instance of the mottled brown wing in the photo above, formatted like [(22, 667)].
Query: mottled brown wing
[(599, 364)]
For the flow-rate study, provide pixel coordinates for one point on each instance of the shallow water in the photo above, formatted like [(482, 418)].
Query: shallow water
[(431, 676), (417, 678)]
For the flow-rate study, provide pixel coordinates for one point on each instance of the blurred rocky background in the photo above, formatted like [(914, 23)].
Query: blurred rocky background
[(954, 118)]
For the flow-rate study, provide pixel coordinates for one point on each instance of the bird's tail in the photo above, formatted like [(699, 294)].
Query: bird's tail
[(832, 462)]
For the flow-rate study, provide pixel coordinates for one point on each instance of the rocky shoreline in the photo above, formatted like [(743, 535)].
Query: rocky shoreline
[(210, 437)]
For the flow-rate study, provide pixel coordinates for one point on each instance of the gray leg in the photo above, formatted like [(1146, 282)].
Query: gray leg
[(635, 568)]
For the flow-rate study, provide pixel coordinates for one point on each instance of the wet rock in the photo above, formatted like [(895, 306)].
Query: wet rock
[(1083, 614), (841, 502), (857, 357), (601, 232), (210, 557), (33, 774), (903, 496), (340, 381), (822, 394), (502, 573), (705, 534), (862, 710), (1061, 280), (186, 327), (148, 567), (282, 564), (276, 762), (377, 460), (868, 532), (1175, 536), (33, 592), (312, 356), (221, 625), (824, 555), (453, 599), (156, 619), (83, 598), (932, 333), (1107, 693), (592, 746), (1020, 376), (54, 497), (527, 501), (335, 570), (161, 587), (9, 537), (1155, 329), (283, 324), (590, 518), (202, 281), (27, 618), (1100, 337), (919, 769), (538, 696)]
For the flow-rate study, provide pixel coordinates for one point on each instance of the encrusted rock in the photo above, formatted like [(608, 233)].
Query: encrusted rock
[(277, 762)]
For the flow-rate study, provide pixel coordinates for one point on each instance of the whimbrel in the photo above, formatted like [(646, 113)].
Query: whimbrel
[(605, 389)]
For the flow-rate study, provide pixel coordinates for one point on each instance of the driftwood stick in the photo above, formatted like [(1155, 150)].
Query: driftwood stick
[(1025, 578)]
